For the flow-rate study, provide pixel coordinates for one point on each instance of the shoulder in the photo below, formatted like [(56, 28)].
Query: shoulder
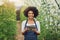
[(24, 21), (37, 21)]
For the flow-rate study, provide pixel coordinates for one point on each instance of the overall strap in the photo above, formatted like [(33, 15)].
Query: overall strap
[(26, 23), (35, 24)]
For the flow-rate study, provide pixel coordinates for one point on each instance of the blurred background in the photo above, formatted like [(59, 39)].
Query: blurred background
[(11, 16)]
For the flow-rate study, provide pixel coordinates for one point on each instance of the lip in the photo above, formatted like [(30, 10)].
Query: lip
[(30, 16)]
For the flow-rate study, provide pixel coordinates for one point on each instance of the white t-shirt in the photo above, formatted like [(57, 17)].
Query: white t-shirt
[(37, 23)]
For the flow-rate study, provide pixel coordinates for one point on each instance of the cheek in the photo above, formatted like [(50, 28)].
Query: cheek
[(32, 14)]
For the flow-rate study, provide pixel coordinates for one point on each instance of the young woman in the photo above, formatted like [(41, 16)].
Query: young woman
[(31, 13)]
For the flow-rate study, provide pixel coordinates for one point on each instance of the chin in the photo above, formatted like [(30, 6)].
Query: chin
[(31, 17)]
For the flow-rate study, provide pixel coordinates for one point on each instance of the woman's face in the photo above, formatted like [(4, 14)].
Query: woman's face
[(30, 14)]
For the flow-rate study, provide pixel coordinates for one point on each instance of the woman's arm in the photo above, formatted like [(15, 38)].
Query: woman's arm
[(38, 27), (23, 27)]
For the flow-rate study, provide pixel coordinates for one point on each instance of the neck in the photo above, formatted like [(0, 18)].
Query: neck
[(30, 19)]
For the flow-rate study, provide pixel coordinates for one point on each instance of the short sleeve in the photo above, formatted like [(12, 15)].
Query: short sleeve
[(38, 26)]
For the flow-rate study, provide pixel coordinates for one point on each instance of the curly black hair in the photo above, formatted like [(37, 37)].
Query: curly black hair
[(34, 9)]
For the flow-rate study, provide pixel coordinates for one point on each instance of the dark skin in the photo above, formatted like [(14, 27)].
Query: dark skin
[(30, 21)]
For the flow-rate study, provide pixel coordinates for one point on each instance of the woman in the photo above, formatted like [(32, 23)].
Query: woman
[(31, 13)]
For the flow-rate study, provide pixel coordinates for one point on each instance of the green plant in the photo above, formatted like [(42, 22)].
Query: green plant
[(7, 22)]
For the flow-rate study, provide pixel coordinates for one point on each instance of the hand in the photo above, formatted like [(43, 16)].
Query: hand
[(35, 30), (26, 29)]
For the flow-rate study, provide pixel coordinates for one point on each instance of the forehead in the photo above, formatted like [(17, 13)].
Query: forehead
[(30, 11)]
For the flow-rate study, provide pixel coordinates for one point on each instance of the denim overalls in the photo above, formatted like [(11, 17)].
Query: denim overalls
[(30, 35)]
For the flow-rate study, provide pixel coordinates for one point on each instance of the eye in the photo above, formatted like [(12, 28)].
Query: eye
[(30, 13)]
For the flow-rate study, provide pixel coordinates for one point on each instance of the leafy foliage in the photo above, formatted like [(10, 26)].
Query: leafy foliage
[(7, 22)]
